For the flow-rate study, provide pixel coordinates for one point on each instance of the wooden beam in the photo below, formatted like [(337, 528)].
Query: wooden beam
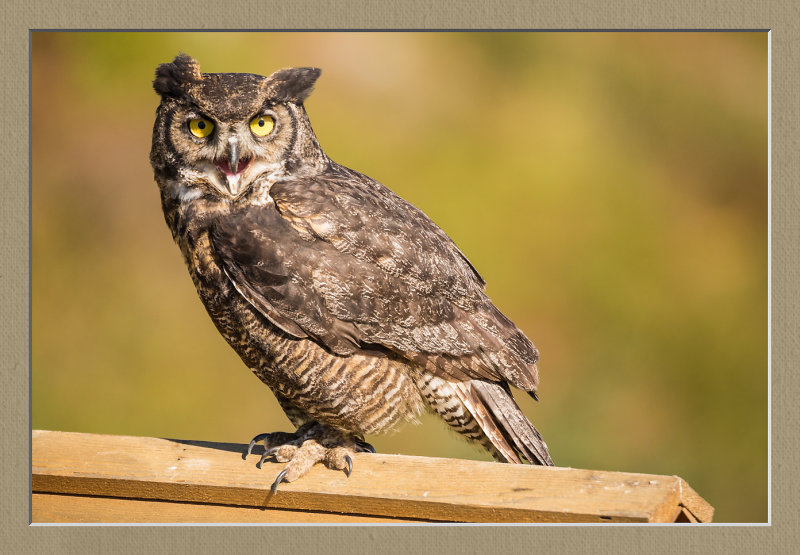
[(75, 508), (136, 479)]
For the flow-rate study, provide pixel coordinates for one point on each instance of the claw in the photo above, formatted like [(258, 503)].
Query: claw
[(365, 447), (253, 442), (349, 462), (267, 454), (278, 480)]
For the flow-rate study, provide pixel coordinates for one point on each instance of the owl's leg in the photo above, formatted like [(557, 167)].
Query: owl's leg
[(312, 443)]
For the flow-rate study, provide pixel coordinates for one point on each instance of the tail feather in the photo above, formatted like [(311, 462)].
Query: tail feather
[(468, 396), (507, 419)]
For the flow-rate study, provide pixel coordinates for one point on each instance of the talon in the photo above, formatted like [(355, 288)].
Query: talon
[(365, 447), (253, 442), (265, 456), (278, 480), (349, 462)]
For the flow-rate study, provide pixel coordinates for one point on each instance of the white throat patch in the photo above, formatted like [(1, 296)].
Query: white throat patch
[(178, 189)]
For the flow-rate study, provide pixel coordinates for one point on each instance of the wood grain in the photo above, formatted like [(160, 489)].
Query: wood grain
[(698, 508), (393, 486), (58, 508)]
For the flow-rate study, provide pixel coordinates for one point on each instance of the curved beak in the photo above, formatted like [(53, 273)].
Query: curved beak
[(233, 155)]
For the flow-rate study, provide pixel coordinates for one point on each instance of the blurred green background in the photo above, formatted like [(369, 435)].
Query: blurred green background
[(610, 187)]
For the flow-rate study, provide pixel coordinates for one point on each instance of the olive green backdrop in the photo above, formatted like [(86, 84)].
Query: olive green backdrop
[(610, 187)]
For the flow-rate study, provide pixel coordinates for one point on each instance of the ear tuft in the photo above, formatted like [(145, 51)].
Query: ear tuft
[(292, 84), (171, 77)]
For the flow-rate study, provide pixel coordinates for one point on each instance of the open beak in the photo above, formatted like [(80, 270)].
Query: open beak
[(233, 167)]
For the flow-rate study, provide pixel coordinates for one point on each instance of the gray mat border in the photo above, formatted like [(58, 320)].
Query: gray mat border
[(780, 17)]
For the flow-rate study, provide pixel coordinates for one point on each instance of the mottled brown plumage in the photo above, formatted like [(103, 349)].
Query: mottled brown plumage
[(348, 302)]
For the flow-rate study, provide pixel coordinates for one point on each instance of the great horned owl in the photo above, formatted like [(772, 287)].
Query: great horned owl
[(352, 306)]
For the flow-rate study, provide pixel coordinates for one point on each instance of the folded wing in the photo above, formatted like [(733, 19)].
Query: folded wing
[(341, 259)]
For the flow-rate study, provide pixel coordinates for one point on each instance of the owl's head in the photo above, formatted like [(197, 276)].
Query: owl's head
[(220, 132)]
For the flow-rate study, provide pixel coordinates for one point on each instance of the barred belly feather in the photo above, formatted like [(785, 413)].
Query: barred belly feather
[(364, 393)]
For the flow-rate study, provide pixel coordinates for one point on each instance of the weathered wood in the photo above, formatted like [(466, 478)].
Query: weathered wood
[(697, 508), (211, 478), (57, 508)]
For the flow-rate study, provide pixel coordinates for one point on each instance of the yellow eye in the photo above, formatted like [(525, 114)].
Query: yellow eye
[(261, 126), (200, 127)]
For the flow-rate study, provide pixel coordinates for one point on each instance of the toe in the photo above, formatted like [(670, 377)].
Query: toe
[(284, 453), (339, 458)]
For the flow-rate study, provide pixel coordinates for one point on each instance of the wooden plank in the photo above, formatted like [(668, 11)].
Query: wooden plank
[(79, 509), (698, 508), (381, 485)]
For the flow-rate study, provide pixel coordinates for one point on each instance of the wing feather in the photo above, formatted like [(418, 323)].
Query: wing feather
[(342, 259)]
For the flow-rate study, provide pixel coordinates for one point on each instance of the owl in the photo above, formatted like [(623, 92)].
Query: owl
[(350, 304)]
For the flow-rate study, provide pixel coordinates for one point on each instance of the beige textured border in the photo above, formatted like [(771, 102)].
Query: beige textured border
[(20, 16)]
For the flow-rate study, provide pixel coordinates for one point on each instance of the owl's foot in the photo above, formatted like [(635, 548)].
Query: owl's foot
[(311, 444)]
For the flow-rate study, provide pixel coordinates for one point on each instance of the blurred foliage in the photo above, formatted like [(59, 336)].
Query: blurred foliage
[(610, 187)]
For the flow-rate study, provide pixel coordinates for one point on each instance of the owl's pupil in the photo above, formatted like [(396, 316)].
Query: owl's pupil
[(261, 122), (201, 125)]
